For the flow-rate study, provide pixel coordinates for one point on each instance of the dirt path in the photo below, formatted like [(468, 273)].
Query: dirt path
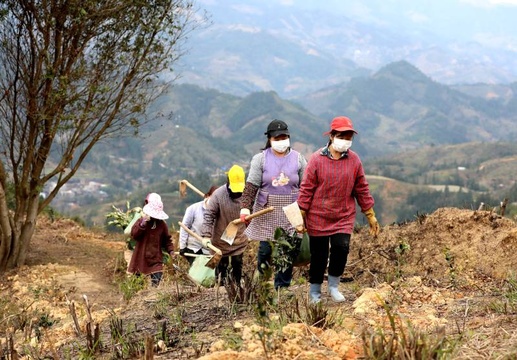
[(84, 262)]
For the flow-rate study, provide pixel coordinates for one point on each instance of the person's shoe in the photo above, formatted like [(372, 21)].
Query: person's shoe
[(334, 290), (315, 293)]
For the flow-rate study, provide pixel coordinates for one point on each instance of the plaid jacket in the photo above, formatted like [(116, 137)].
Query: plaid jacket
[(329, 191)]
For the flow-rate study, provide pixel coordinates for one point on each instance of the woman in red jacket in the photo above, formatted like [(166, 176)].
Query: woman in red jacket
[(333, 181), (151, 235)]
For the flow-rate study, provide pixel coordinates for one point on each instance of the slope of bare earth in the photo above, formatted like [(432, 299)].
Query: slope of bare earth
[(445, 278)]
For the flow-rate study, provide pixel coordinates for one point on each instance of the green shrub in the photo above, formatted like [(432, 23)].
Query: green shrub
[(132, 285)]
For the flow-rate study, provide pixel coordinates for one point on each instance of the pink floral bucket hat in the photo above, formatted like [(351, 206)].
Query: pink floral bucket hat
[(154, 208)]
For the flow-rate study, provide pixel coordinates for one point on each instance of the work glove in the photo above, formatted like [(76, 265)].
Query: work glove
[(372, 221), (245, 212), (205, 241)]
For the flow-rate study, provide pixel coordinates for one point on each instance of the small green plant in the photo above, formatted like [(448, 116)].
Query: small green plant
[(507, 303), (300, 280), (265, 293), (404, 343), (86, 354), (130, 285), (232, 339), (286, 248), (78, 220), (161, 306), (401, 250), (289, 311), (511, 292), (421, 217), (45, 321), (449, 257), (119, 265), (52, 214), (14, 315), (269, 333), (36, 292), (124, 343), (319, 316), (121, 219)]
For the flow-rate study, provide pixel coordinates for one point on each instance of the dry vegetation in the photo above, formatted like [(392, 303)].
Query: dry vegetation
[(441, 286)]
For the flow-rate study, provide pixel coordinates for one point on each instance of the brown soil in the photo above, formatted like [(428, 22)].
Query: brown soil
[(447, 275)]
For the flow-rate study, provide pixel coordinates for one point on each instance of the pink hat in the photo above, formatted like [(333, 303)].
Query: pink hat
[(154, 208), (152, 197), (341, 123)]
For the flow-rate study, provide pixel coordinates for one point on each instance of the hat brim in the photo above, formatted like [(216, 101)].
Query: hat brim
[(237, 187), (160, 215), (344, 128), (276, 133)]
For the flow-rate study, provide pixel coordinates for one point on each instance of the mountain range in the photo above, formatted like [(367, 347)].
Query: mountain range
[(396, 109), (410, 93), (295, 48), (413, 132), (400, 108)]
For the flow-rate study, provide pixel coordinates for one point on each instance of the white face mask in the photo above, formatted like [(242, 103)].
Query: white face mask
[(280, 146), (341, 145)]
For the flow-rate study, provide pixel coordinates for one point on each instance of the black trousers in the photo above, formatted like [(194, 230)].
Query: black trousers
[(339, 245), (282, 278), (236, 266)]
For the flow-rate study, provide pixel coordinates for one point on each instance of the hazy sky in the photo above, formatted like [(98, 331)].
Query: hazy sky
[(491, 22), (452, 27)]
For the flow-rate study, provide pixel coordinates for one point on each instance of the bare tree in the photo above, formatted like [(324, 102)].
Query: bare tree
[(73, 72)]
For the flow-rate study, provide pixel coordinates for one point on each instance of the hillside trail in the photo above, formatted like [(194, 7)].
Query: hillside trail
[(77, 259), (449, 270)]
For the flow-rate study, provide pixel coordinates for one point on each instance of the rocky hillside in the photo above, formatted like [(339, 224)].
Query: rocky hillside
[(442, 285)]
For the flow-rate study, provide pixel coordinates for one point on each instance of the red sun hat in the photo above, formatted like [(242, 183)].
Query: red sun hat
[(341, 123)]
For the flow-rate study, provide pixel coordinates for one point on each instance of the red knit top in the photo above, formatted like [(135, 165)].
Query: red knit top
[(329, 191)]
